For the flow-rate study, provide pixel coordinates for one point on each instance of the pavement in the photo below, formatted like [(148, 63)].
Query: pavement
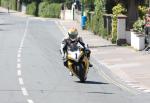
[(131, 66)]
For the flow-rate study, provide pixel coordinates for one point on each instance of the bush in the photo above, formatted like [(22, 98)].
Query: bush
[(49, 10), (44, 9), (142, 11), (12, 4), (117, 10), (98, 21), (138, 26), (5, 3), (31, 9), (68, 4), (55, 10)]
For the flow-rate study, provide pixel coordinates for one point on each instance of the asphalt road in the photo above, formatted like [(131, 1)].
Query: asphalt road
[(31, 69)]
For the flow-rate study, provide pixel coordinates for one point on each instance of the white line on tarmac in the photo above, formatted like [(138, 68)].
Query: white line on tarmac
[(21, 45), (130, 84), (124, 65), (112, 60), (18, 60), (106, 77), (19, 55), (18, 65), (19, 51), (61, 27), (146, 91), (19, 73), (141, 88), (24, 91), (135, 86), (30, 101), (20, 48), (21, 81)]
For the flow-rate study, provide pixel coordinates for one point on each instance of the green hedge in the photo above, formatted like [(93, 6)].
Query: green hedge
[(44, 9), (49, 10), (31, 9), (68, 4), (12, 4), (4, 3), (55, 10), (97, 23)]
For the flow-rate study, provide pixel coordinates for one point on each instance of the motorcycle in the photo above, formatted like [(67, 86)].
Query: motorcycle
[(78, 63)]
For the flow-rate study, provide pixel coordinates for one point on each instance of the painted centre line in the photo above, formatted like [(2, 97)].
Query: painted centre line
[(19, 72), (21, 81), (19, 51), (24, 91), (18, 60), (19, 55), (30, 101), (19, 65)]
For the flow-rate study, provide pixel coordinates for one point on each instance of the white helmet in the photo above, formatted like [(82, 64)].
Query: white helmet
[(73, 33)]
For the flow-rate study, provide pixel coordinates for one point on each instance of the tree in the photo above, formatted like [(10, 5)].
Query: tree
[(98, 17), (132, 10)]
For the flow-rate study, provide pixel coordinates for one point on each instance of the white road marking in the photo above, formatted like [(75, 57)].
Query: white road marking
[(18, 60), (21, 81), (61, 27), (19, 51), (19, 55), (20, 48), (135, 86), (112, 60), (141, 88), (24, 91), (106, 77), (146, 91), (19, 73), (18, 65), (124, 65), (21, 45), (130, 84), (30, 101)]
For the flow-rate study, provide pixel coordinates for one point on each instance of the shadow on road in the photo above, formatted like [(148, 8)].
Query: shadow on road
[(2, 13), (113, 45), (92, 82), (100, 92), (6, 24), (2, 30)]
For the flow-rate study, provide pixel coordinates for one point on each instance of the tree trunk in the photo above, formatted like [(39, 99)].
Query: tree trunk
[(132, 13)]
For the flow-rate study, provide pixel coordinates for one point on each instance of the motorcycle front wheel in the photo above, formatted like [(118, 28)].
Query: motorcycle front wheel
[(81, 73)]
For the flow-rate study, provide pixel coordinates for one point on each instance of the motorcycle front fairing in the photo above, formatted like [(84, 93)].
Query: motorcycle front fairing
[(76, 57)]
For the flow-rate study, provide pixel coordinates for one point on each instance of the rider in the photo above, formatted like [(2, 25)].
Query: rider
[(71, 42)]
